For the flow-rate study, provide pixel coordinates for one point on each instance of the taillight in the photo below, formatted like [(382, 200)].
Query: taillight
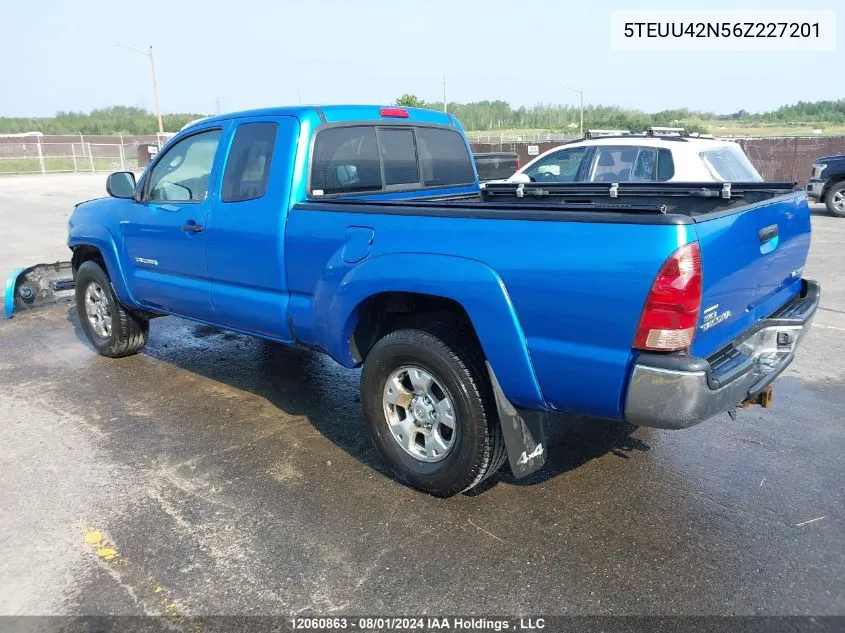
[(399, 113), (670, 315)]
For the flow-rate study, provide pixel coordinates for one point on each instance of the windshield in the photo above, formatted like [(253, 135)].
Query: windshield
[(730, 164)]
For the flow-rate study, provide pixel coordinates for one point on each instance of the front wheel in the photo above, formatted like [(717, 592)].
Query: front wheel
[(429, 408), (111, 329), (835, 199)]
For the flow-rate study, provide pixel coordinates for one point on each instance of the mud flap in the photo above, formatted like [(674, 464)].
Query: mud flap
[(524, 435), (38, 285)]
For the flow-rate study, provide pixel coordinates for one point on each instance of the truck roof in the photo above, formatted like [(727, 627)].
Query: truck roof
[(339, 114)]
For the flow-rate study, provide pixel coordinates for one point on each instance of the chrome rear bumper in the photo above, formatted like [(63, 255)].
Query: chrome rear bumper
[(675, 392)]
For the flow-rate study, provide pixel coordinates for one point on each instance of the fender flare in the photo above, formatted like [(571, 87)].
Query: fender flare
[(100, 238), (470, 283)]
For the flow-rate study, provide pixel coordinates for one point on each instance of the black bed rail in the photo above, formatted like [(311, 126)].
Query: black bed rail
[(726, 190), (478, 203)]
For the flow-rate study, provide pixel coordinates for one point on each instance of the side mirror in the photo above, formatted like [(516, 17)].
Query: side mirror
[(520, 178), (121, 184)]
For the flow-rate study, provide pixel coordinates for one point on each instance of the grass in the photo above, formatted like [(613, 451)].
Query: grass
[(726, 128), (56, 164)]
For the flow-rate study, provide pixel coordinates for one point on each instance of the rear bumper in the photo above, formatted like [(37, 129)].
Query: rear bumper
[(675, 392)]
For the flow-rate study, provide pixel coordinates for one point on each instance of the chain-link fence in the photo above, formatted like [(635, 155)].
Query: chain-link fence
[(40, 153), (521, 137), (776, 158), (790, 158)]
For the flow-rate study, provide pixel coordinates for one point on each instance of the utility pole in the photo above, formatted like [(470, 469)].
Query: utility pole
[(582, 113), (581, 92), (149, 53), (299, 95), (155, 91), (445, 109)]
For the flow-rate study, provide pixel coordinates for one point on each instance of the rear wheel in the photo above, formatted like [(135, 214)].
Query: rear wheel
[(429, 408), (835, 199), (111, 329)]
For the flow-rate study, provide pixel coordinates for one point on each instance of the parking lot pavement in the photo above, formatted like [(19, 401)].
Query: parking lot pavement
[(218, 474), (33, 215)]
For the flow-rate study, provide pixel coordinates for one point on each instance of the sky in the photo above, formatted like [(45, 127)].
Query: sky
[(215, 55)]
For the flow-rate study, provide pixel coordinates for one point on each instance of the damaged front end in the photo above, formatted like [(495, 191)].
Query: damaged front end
[(39, 285)]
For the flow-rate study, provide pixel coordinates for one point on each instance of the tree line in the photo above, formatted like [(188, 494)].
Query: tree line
[(113, 120), (477, 116), (493, 115)]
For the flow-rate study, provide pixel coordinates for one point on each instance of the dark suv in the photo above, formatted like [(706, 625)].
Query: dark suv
[(827, 183)]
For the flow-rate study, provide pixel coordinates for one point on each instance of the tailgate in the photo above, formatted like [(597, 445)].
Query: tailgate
[(752, 261)]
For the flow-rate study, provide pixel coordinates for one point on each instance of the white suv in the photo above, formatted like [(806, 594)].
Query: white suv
[(641, 158)]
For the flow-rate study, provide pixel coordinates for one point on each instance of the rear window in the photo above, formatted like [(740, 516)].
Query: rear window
[(398, 150), (730, 164), (444, 158), (361, 159), (346, 159)]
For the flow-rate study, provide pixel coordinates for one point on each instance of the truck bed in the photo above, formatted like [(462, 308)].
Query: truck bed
[(577, 284)]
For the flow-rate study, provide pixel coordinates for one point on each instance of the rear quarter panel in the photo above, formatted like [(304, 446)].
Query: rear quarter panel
[(576, 289)]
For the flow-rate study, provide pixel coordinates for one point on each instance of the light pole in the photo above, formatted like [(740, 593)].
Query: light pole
[(580, 92), (149, 53)]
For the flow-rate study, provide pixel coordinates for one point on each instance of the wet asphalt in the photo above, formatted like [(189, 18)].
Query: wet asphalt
[(218, 474)]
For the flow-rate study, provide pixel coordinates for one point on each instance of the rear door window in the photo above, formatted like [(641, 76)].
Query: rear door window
[(363, 158), (630, 163), (614, 164), (645, 164), (248, 164)]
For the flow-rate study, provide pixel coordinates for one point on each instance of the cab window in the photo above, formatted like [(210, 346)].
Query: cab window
[(373, 158), (183, 171)]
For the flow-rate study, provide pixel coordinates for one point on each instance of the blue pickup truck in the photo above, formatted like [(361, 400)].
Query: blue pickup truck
[(361, 231)]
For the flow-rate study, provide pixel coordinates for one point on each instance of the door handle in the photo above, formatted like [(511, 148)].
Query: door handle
[(192, 228), (768, 233)]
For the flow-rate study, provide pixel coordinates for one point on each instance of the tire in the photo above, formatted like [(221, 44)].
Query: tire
[(111, 329), (460, 385), (834, 199)]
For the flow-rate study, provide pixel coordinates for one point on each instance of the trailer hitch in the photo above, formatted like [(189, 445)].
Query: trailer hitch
[(764, 399)]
